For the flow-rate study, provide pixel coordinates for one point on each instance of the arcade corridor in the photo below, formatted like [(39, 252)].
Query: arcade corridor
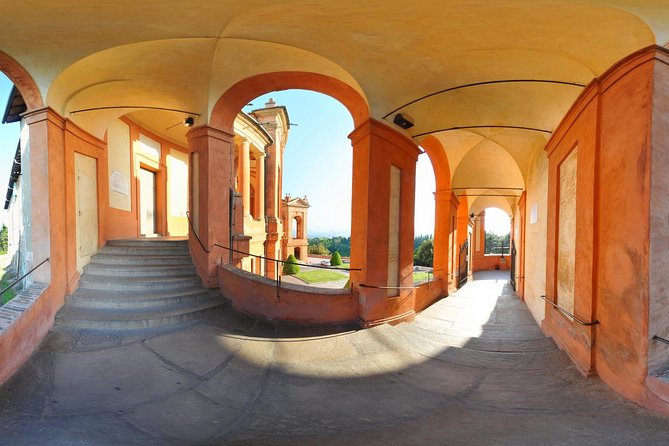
[(472, 369)]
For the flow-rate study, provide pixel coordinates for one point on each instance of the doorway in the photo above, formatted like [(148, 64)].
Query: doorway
[(147, 202), (86, 202)]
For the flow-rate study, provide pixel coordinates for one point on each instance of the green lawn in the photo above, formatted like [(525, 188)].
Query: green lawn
[(4, 281), (343, 266), (420, 277), (320, 275)]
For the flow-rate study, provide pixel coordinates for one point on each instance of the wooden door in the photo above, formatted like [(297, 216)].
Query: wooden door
[(147, 202), (86, 199)]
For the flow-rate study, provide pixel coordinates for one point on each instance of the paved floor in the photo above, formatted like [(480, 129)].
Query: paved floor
[(474, 369)]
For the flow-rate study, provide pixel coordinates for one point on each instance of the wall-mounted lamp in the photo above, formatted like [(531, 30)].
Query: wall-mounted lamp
[(189, 121), (403, 120)]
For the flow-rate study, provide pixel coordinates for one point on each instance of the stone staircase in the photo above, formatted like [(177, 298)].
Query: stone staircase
[(138, 284)]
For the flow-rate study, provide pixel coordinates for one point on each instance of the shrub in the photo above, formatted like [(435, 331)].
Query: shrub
[(291, 266), (335, 260)]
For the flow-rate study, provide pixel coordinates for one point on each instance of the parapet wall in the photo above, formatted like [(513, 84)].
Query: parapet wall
[(258, 297)]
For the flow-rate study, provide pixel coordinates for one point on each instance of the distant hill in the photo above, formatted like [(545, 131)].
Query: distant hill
[(341, 244)]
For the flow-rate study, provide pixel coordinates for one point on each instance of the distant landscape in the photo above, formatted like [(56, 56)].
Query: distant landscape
[(422, 246)]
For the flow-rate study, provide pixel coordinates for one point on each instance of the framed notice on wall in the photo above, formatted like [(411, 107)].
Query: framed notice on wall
[(119, 183)]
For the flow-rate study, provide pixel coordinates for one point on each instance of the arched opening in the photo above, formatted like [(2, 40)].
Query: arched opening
[(18, 94), (12, 234), (295, 228), (304, 154), (492, 245), (424, 221), (272, 123)]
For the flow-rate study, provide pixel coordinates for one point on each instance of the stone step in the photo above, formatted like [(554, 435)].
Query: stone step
[(123, 300), (138, 284), (135, 318), (151, 242), (145, 250), (118, 259), (145, 270)]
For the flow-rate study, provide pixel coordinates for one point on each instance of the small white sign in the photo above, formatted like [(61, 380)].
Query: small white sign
[(534, 213), (119, 183)]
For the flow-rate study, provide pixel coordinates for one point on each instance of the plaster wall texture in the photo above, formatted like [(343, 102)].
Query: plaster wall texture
[(535, 234), (658, 354), (566, 263), (623, 226), (118, 144)]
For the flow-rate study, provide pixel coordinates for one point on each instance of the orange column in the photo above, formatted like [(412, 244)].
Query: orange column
[(381, 240), (214, 183), (47, 235), (445, 237), (46, 165)]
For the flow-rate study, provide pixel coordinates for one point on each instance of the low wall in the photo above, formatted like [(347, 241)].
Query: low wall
[(24, 321), (427, 294), (257, 296), (489, 261)]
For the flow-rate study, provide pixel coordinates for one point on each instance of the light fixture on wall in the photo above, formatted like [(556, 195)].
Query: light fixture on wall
[(189, 121), (403, 120)]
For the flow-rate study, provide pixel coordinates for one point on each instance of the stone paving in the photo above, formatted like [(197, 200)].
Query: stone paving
[(473, 369)]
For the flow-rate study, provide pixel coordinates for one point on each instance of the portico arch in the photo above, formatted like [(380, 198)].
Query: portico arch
[(229, 104), (22, 80), (214, 142), (383, 185), (445, 214)]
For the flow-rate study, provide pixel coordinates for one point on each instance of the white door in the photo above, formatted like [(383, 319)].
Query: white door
[(147, 202), (86, 200)]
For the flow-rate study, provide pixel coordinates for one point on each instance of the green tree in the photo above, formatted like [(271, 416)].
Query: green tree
[(418, 240), (335, 260), (318, 248), (291, 266), (495, 242), (4, 239), (424, 255)]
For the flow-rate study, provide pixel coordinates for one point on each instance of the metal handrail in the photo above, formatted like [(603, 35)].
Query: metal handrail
[(286, 261), (657, 338), (568, 314), (195, 233), (13, 284)]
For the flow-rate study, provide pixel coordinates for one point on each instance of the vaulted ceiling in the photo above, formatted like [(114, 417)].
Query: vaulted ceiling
[(490, 80)]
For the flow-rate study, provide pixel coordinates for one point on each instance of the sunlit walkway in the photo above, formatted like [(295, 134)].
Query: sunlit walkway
[(474, 369)]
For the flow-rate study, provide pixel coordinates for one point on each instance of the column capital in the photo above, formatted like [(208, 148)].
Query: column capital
[(44, 114), (384, 131), (205, 131)]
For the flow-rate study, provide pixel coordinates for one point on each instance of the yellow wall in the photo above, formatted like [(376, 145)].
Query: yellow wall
[(535, 230), (177, 192), (118, 141)]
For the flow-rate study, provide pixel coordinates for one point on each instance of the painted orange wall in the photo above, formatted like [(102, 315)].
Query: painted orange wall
[(611, 126), (257, 296), (490, 261)]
